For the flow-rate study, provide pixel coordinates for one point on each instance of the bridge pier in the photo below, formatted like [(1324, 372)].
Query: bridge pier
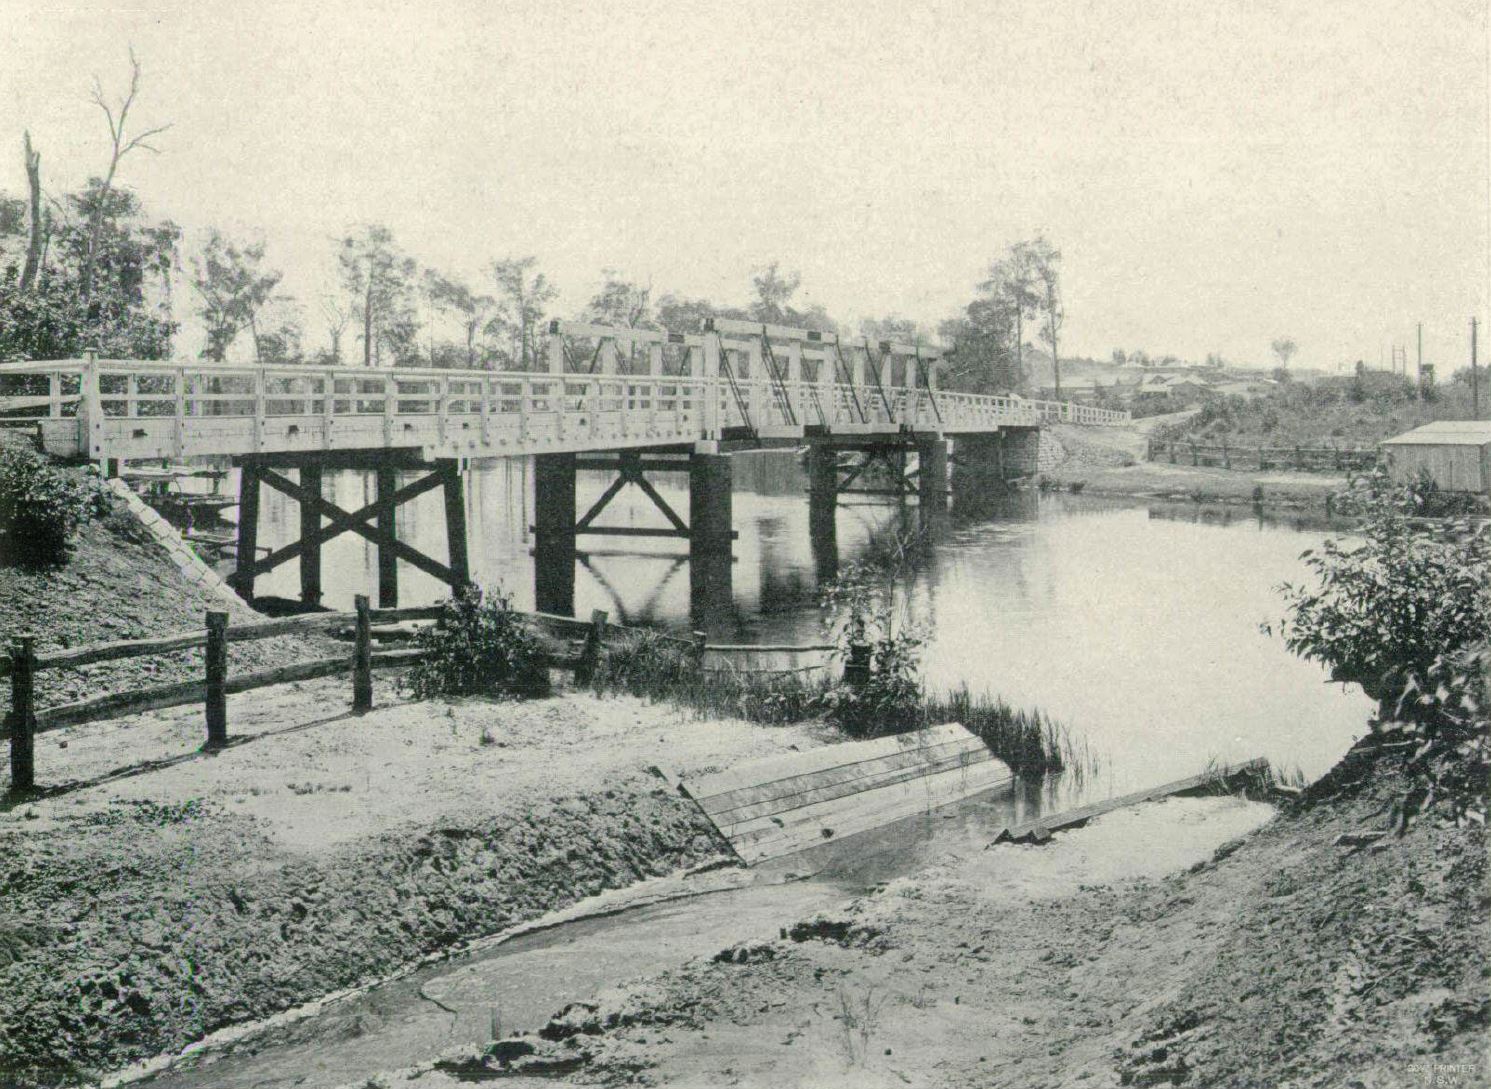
[(310, 526), (707, 530), (388, 532), (711, 505), (931, 474), (554, 533), (932, 482), (321, 520), (823, 510)]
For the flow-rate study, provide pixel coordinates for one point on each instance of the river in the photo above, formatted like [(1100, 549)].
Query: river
[(1135, 624)]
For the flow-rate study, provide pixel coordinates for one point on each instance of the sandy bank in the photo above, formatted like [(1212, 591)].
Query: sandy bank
[(1141, 950), (164, 894)]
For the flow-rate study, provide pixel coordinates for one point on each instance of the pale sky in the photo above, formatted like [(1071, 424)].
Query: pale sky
[(1217, 174)]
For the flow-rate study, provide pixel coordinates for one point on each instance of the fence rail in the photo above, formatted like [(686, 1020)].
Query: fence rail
[(25, 721), (1304, 459)]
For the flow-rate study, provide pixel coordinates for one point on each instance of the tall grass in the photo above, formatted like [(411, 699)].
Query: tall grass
[(1030, 742), (657, 668)]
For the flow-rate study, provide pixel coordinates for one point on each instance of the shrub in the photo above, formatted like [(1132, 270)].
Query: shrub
[(41, 507), (868, 608), (1405, 614), (478, 647)]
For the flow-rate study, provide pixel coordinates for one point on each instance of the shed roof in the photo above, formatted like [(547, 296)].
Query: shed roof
[(1445, 433)]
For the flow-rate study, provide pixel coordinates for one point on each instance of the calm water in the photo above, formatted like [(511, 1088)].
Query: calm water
[(1137, 627)]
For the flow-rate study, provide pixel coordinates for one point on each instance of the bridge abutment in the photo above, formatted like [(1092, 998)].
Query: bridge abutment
[(1003, 455)]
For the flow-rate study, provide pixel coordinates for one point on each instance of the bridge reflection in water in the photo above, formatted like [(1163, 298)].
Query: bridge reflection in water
[(785, 551)]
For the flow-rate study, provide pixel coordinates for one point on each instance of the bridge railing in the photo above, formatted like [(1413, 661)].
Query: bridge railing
[(125, 406)]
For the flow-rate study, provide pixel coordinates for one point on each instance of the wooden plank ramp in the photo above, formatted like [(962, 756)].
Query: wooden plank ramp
[(1040, 829), (789, 803)]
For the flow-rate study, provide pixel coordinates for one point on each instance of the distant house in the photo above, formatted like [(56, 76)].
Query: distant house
[(1455, 453), (1076, 386), (1245, 388), (1188, 387)]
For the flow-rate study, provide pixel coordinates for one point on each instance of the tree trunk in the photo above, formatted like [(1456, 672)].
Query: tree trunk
[(367, 321), (1019, 344), (95, 228), (1055, 351), (33, 244)]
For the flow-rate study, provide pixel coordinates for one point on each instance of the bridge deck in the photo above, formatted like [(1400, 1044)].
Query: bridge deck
[(135, 410)]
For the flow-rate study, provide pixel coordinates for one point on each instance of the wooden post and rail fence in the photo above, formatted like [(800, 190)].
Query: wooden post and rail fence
[(23, 665), (1304, 459)]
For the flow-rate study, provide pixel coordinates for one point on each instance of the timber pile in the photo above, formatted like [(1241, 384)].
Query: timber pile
[(790, 803)]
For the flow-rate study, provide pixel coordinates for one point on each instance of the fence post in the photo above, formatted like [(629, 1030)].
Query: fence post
[(217, 679), (590, 656), (22, 718), (1299, 458), (362, 659), (1226, 458), (701, 641), (1195, 455), (1172, 453)]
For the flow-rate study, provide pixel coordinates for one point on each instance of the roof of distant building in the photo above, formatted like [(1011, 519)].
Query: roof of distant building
[(1445, 433)]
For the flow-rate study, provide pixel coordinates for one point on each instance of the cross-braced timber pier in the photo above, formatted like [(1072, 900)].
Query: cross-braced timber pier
[(634, 402)]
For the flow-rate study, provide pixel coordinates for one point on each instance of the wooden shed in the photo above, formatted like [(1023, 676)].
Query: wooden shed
[(1455, 453)]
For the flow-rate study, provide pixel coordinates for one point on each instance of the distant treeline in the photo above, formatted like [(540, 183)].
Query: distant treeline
[(97, 269)]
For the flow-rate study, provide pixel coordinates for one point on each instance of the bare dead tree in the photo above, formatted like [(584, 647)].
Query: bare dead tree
[(33, 243), (338, 315), (123, 144)]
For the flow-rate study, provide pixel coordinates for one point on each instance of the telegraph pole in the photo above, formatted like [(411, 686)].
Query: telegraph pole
[(1420, 371), (1475, 378)]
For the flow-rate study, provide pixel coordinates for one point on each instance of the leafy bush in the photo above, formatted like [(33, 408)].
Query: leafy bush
[(41, 507), (868, 608), (478, 647), (1405, 614)]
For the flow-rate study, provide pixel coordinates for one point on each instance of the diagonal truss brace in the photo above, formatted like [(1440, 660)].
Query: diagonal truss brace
[(342, 521), (630, 471)]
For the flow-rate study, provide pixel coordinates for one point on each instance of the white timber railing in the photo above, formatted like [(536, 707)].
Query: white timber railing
[(600, 392)]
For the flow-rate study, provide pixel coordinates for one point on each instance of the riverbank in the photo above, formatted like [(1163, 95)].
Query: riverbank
[(119, 583), (1289, 956), (162, 894), (1111, 461)]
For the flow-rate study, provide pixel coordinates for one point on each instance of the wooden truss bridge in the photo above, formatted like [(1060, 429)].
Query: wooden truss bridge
[(631, 401)]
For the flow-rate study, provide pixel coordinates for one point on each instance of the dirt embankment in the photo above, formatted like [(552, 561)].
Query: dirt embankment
[(160, 894), (1287, 959), (120, 584), (1111, 461)]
